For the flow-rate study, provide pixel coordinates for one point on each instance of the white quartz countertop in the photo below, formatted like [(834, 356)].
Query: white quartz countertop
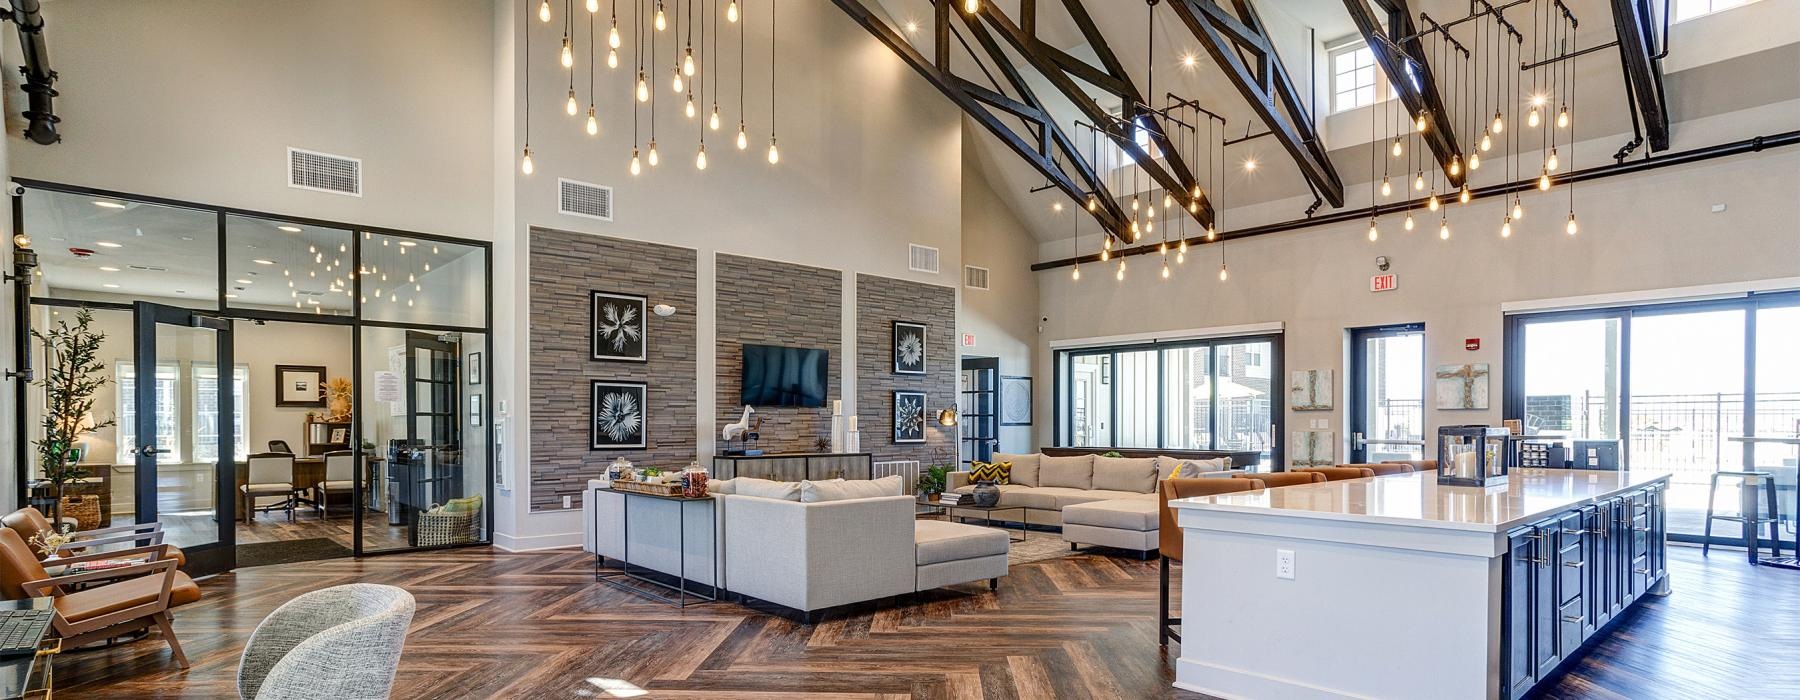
[(1417, 499)]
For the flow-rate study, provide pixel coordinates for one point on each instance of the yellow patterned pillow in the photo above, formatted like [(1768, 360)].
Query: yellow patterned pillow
[(995, 472)]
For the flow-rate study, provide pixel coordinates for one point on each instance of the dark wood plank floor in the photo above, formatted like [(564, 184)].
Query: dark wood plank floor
[(492, 624)]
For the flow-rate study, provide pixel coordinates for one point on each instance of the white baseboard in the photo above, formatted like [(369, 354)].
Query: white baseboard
[(533, 543)]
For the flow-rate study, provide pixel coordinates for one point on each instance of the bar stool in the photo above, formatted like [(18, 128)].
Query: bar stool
[(1751, 480)]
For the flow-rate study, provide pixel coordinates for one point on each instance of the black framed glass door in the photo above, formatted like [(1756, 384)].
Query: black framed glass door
[(979, 406), (191, 496), (1387, 393)]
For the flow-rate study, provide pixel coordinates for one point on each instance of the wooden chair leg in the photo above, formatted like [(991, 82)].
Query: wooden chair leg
[(162, 622)]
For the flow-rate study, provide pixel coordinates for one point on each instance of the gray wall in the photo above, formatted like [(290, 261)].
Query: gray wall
[(764, 302), (1004, 316), (880, 301)]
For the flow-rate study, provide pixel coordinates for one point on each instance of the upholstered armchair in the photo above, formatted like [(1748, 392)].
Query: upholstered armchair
[(1169, 533), (133, 597), (29, 522), (342, 642)]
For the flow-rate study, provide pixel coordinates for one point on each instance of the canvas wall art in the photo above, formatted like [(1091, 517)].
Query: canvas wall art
[(909, 347), (1312, 448), (619, 415), (618, 327), (909, 417), (1310, 390), (1462, 387)]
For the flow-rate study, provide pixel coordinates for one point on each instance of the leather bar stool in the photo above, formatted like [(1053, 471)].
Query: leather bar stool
[(1384, 468), (1275, 480), (1169, 535), (1342, 472), (1751, 480)]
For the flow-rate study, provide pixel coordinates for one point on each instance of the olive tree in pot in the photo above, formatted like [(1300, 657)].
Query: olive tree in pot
[(73, 374)]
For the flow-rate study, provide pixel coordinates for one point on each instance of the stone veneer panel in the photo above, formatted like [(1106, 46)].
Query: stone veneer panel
[(565, 268), (880, 301), (763, 302)]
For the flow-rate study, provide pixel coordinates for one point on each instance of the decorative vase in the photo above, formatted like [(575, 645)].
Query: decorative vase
[(986, 494)]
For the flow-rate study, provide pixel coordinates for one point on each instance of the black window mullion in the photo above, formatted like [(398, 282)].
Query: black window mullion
[(1212, 400)]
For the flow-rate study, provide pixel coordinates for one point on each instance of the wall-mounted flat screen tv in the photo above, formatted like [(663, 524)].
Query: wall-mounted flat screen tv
[(781, 376)]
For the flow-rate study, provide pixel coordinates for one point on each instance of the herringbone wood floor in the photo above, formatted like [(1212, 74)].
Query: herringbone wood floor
[(492, 624)]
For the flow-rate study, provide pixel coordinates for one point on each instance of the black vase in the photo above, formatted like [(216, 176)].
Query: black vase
[(987, 495)]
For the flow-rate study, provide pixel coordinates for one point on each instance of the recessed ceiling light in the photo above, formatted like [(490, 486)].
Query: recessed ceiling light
[(230, 296), (110, 285), (289, 229), (187, 238), (261, 261), (407, 244), (108, 244), (312, 301), (245, 282), (107, 204), (108, 268)]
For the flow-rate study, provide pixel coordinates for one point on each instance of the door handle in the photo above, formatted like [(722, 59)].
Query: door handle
[(1574, 564), (147, 450)]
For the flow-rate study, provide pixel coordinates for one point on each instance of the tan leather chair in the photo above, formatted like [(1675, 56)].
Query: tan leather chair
[(1341, 473), (1418, 465), (269, 474), (29, 523), (1169, 535), (1275, 480), (1382, 469), (140, 595), (340, 477)]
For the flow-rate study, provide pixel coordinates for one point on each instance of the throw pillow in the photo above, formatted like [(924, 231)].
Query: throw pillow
[(998, 473), (844, 490), (764, 488), (1173, 468), (462, 505)]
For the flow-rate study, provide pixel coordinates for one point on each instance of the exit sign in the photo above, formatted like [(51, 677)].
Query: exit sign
[(1384, 283)]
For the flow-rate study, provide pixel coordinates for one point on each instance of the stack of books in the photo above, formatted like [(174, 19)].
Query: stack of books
[(951, 498)]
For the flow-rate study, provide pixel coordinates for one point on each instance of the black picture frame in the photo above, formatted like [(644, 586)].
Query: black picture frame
[(908, 410), (611, 426), (1011, 390), (475, 410), (287, 386), (474, 365), (910, 351), (618, 327)]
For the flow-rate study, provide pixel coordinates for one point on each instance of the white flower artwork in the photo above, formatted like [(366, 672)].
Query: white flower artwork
[(618, 327), (909, 348), (909, 416), (619, 415)]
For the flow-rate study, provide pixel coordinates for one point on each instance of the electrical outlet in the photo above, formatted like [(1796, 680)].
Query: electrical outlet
[(566, 504), (1284, 564)]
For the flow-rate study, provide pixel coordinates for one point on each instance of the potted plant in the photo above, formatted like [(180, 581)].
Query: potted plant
[(73, 374), (932, 481)]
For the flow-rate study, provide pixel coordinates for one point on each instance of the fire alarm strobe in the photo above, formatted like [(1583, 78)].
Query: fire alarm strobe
[(1471, 343), (81, 252)]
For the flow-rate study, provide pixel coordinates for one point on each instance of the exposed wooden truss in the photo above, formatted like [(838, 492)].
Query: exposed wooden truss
[(1418, 92), (1643, 70), (1240, 45), (1041, 142)]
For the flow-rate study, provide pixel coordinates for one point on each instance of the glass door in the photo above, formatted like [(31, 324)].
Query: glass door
[(1686, 398), (188, 485), (1387, 393), (427, 466), (977, 403)]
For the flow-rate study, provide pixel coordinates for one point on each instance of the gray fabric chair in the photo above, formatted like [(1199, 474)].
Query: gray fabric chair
[(342, 642)]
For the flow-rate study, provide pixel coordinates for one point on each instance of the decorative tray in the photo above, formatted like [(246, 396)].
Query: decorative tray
[(665, 489)]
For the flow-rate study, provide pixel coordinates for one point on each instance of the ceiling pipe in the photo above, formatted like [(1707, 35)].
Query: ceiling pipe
[(40, 81), (1722, 150)]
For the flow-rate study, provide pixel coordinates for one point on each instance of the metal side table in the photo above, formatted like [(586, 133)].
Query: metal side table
[(624, 571)]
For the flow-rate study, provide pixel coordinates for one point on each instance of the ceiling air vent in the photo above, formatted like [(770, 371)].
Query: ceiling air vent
[(921, 258), (577, 198), (975, 277), (323, 172)]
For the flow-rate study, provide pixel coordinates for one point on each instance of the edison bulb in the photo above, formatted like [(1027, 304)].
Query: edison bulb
[(593, 6), (676, 83), (1408, 225), (593, 123), (1419, 123), (743, 139), (1374, 232), (1396, 150), (687, 64), (1181, 257), (1092, 203), (612, 36), (1487, 143), (1506, 228), (689, 109), (1419, 181), (1076, 275), (1572, 228), (1444, 230), (1532, 119), (1134, 202), (1223, 275), (525, 165), (1456, 166), (1196, 194), (1464, 197), (1120, 275), (712, 121), (654, 158), (1182, 249), (571, 106), (1499, 124), (1211, 233), (643, 88), (1168, 200), (731, 15), (662, 21), (1194, 206), (774, 153), (1433, 203), (1150, 212), (636, 165), (1562, 118), (1165, 270), (1387, 189), (700, 158), (1544, 181), (544, 11), (1474, 161), (1552, 163), (612, 58), (568, 53), (971, 6), (1149, 227), (1518, 210)]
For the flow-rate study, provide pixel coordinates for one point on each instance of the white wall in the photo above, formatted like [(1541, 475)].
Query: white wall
[(870, 161), (1004, 316)]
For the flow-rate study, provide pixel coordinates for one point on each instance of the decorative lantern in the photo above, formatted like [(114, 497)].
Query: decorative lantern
[(1474, 455)]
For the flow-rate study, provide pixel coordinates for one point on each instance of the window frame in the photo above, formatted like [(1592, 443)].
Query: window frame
[(1711, 9), (122, 450), (1383, 87), (1062, 402), (241, 406)]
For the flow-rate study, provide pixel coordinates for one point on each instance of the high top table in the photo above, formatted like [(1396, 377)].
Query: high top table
[(1792, 562)]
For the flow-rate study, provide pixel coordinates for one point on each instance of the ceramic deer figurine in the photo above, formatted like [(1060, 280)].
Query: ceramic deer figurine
[(733, 431)]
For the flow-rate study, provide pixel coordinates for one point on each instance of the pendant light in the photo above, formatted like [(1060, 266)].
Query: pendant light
[(774, 153), (544, 11), (1506, 227), (1374, 231), (593, 118), (662, 20), (525, 165), (971, 6), (1408, 225), (1387, 189), (593, 6), (731, 12), (743, 135)]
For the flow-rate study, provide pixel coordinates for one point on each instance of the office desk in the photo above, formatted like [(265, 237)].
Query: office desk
[(308, 472), (16, 672)]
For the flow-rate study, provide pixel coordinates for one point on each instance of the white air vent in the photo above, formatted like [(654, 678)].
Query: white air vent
[(921, 258), (975, 277), (577, 198), (323, 172)]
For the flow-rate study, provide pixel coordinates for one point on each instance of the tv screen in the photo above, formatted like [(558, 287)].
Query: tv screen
[(778, 376)]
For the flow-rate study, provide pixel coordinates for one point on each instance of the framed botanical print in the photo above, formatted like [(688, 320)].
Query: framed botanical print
[(619, 415), (909, 347), (299, 386), (618, 327), (909, 417), (474, 365)]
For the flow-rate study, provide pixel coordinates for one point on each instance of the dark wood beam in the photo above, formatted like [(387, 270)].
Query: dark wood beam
[(1235, 41), (1419, 95), (1636, 29)]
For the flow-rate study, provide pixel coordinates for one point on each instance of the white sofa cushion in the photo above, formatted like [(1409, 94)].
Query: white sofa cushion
[(1075, 472), (764, 488), (1024, 468), (1135, 474), (1062, 497), (1178, 468), (938, 541), (724, 486), (841, 490), (1137, 514)]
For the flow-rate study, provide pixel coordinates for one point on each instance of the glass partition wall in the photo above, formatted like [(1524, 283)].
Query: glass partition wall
[(349, 359)]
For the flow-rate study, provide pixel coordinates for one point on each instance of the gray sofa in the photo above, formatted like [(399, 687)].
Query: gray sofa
[(1109, 501)]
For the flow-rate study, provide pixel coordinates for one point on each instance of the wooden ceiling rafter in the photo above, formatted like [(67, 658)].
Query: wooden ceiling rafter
[(1635, 20)]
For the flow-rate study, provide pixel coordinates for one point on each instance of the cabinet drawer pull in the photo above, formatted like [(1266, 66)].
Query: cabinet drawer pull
[(1577, 618), (1576, 533), (1598, 531), (1574, 564), (1640, 529), (1640, 571)]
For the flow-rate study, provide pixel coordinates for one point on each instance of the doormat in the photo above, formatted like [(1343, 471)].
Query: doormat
[(289, 551)]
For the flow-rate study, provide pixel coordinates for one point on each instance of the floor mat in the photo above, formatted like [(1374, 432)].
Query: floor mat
[(289, 551)]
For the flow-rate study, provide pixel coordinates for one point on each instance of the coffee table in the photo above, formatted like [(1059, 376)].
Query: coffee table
[(986, 517)]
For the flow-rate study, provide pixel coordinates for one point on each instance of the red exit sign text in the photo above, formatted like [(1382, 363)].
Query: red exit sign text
[(1383, 283)]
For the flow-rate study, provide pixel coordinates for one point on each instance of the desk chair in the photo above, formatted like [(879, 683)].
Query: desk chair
[(270, 474), (139, 596), (280, 446), (340, 477), (1170, 539)]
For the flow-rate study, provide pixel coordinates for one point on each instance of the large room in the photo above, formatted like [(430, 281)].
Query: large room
[(901, 348)]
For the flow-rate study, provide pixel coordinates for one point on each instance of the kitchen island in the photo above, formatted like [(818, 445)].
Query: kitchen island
[(1396, 587)]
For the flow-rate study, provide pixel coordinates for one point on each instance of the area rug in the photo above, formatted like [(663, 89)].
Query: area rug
[(289, 551)]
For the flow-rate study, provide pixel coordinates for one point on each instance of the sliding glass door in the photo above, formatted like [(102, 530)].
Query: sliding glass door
[(1189, 395)]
